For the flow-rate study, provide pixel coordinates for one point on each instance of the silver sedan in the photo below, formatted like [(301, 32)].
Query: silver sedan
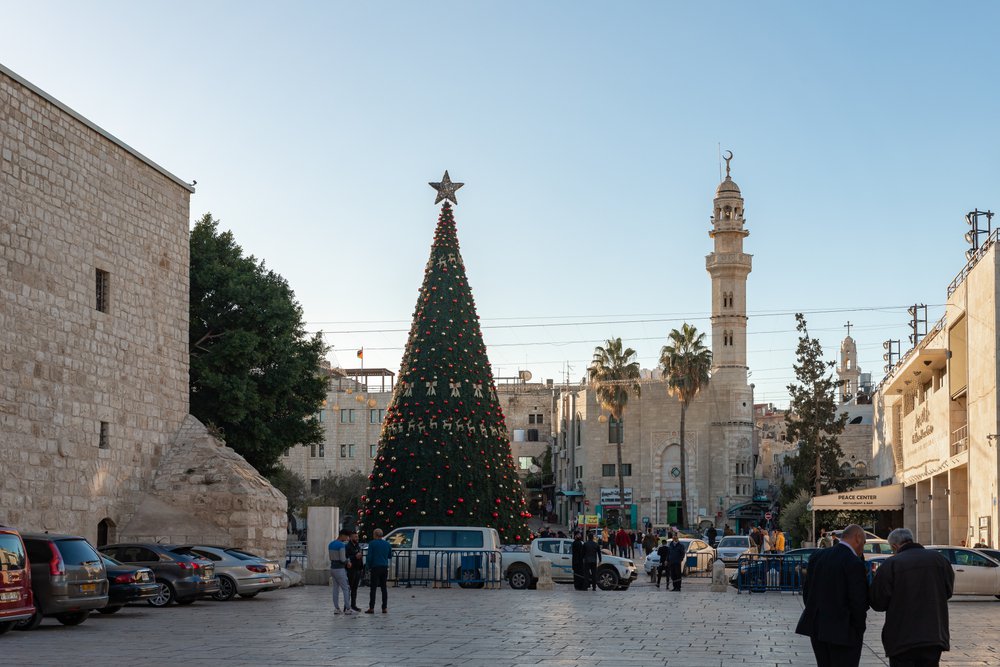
[(239, 572)]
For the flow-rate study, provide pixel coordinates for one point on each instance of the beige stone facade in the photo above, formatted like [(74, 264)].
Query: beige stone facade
[(936, 416), (93, 318)]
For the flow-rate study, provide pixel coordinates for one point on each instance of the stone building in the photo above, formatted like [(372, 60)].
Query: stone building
[(937, 417), (719, 432), (94, 343)]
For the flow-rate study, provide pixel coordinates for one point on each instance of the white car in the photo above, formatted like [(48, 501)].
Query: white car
[(876, 548), (975, 572), (521, 571), (703, 554), (731, 547)]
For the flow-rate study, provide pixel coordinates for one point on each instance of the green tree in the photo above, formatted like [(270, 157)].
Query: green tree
[(444, 455), (343, 491), (796, 519), (687, 364), (813, 420), (614, 376), (255, 375), (292, 485)]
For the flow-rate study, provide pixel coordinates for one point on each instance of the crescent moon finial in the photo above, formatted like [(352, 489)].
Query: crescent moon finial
[(727, 159)]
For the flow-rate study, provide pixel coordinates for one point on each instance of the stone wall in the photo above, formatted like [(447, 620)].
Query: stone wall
[(204, 492)]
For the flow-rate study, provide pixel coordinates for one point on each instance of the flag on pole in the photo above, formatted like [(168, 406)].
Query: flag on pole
[(361, 353)]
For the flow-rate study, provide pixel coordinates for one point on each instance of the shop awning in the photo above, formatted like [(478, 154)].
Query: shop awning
[(569, 493), (887, 498), (751, 510)]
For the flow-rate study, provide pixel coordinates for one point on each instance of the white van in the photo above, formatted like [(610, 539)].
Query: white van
[(469, 554)]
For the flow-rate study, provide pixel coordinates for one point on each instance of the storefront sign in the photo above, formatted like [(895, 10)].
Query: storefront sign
[(609, 496)]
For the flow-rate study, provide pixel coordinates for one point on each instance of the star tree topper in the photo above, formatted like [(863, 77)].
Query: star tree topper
[(446, 189)]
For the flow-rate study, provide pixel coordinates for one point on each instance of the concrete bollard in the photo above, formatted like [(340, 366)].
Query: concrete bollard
[(719, 583), (544, 576)]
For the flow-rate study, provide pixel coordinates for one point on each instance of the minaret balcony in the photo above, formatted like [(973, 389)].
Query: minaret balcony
[(731, 226), (729, 259)]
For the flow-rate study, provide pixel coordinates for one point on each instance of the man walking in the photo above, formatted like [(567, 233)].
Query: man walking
[(835, 593), (357, 568), (379, 553), (913, 588), (339, 564), (662, 552), (622, 541), (675, 559), (579, 570), (591, 557)]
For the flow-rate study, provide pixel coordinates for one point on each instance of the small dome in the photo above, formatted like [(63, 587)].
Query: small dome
[(727, 186)]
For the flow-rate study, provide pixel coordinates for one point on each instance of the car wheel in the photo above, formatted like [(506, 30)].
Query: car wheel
[(164, 596), (186, 601), (607, 579), (111, 609), (30, 623), (467, 579), (7, 626), (249, 595), (73, 618), (227, 590), (519, 577)]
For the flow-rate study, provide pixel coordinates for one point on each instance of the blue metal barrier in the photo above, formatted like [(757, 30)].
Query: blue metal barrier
[(760, 573), (440, 568)]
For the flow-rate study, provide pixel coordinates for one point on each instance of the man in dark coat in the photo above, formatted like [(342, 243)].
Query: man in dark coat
[(835, 593), (712, 534), (663, 566), (913, 588), (579, 571), (675, 559), (591, 557), (357, 569)]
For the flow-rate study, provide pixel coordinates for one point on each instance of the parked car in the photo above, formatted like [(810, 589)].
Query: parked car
[(127, 583), (975, 572), (68, 579), (992, 553), (703, 556), (731, 547), (16, 599), (238, 572), (868, 535), (876, 548), (521, 571), (181, 578), (461, 552)]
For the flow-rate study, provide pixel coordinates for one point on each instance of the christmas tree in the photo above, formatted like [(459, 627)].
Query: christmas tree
[(444, 456)]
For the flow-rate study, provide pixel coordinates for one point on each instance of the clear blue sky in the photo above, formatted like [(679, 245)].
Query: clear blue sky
[(587, 134)]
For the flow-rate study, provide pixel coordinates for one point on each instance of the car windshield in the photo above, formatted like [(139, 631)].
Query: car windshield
[(733, 541), (75, 552)]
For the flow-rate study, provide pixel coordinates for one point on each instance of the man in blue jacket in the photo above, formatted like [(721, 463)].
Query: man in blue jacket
[(379, 553), (675, 561)]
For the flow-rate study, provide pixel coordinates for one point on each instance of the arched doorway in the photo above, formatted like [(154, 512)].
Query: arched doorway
[(106, 532), (670, 485)]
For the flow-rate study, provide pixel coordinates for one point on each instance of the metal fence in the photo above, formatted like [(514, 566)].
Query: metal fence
[(295, 551), (760, 573), (440, 568)]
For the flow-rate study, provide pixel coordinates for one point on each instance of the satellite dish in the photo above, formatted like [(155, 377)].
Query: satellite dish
[(524, 375)]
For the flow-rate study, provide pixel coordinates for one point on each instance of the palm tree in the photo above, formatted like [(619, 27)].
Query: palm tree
[(614, 376), (686, 363)]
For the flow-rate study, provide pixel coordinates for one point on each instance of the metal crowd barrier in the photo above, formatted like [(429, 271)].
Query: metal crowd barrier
[(760, 573), (440, 568)]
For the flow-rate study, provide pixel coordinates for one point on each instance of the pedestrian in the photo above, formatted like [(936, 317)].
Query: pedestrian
[(712, 534), (913, 588), (339, 565), (835, 593), (357, 568), (779, 541), (662, 553), (825, 541), (757, 540), (591, 557), (649, 543), (675, 559), (766, 542), (579, 569), (623, 542), (636, 544), (379, 553), (726, 530)]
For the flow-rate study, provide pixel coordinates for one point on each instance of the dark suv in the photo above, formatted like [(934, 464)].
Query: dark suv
[(15, 581), (182, 578), (67, 578)]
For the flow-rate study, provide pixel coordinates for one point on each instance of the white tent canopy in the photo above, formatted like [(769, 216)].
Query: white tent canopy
[(887, 498)]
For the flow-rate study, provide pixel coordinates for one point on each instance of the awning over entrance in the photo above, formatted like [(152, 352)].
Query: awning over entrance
[(877, 498), (569, 493), (752, 511)]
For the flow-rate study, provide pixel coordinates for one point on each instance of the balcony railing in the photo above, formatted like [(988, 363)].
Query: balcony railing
[(960, 440)]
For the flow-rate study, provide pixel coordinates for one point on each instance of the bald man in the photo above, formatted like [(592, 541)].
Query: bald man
[(835, 592)]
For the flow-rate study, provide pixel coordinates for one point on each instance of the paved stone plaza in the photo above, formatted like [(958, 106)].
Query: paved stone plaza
[(436, 628)]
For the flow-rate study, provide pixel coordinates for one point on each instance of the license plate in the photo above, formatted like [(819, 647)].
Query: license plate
[(88, 588), (10, 597)]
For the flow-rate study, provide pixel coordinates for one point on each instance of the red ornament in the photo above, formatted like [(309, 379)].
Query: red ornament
[(450, 512)]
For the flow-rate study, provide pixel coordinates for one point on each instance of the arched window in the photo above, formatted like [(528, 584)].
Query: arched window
[(106, 532)]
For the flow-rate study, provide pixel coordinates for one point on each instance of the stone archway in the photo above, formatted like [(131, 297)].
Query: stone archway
[(107, 532), (666, 478)]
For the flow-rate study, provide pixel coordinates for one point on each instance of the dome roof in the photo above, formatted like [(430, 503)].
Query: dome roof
[(727, 186)]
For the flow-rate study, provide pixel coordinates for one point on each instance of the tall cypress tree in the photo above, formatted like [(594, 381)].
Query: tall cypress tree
[(444, 457)]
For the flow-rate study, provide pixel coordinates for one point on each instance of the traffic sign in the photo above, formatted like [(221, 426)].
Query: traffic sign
[(768, 516)]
